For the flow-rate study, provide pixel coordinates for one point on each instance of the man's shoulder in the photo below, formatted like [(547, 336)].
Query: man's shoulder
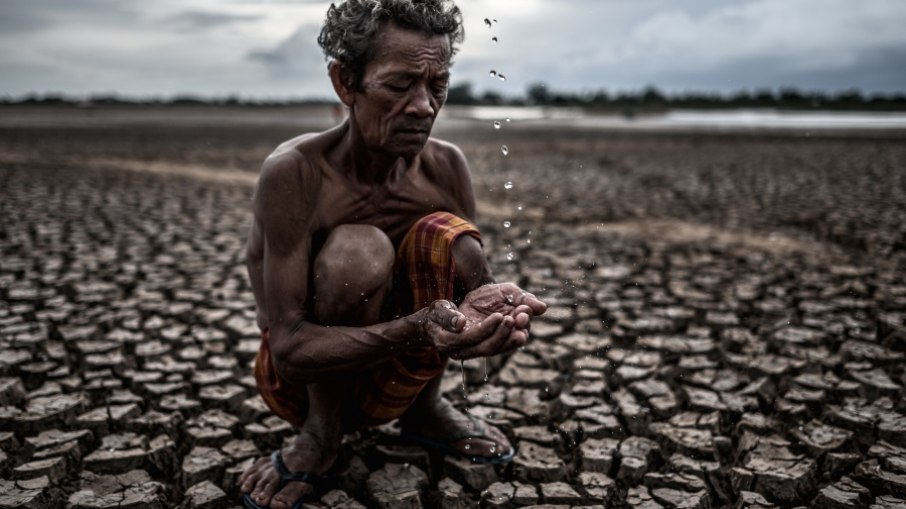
[(290, 178), (444, 154), (296, 150), (442, 148), (295, 158)]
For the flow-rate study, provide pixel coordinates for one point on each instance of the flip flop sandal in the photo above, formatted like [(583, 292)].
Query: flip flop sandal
[(286, 476), (444, 444)]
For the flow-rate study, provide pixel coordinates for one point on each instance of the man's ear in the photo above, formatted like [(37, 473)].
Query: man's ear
[(342, 83)]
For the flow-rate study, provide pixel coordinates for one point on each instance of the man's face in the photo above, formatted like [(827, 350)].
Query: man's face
[(402, 90)]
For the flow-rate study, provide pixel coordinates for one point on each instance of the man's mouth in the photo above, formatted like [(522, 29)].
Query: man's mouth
[(415, 130)]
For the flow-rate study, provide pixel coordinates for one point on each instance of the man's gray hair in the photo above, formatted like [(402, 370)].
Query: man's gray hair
[(348, 32)]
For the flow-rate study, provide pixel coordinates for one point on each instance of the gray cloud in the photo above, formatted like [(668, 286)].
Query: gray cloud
[(39, 14), (296, 53), (203, 19), (701, 44), (208, 47)]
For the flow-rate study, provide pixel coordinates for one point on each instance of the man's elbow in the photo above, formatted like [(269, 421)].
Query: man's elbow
[(290, 359)]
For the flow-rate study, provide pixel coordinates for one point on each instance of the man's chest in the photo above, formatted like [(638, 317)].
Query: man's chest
[(393, 209)]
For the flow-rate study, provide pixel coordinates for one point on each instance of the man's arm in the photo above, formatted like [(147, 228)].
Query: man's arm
[(480, 295), (305, 352)]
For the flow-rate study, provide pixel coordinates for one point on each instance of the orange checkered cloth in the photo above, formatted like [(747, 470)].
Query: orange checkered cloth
[(386, 391)]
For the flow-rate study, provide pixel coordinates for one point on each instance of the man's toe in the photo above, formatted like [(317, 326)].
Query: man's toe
[(263, 491), (289, 495)]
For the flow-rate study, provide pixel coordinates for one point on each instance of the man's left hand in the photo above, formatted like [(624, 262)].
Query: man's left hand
[(508, 300)]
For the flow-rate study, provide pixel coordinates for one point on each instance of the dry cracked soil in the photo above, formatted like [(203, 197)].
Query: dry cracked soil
[(727, 324)]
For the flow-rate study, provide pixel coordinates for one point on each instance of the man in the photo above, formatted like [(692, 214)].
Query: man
[(361, 243)]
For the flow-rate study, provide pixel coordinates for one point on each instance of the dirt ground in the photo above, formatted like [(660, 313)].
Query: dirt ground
[(728, 321)]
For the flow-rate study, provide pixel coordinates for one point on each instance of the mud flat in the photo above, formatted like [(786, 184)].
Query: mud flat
[(728, 322)]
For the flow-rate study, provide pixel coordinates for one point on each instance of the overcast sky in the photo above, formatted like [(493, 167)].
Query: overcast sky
[(268, 49)]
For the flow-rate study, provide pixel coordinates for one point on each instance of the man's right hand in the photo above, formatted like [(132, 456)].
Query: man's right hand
[(449, 330)]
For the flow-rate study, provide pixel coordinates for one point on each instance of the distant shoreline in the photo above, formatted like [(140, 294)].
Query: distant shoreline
[(469, 118)]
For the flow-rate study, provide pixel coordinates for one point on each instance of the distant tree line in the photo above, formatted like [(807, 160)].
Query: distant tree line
[(539, 94), (54, 99)]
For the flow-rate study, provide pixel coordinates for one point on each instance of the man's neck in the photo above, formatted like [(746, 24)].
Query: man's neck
[(368, 166)]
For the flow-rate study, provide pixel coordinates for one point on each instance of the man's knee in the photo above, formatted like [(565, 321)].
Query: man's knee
[(356, 261), (472, 269)]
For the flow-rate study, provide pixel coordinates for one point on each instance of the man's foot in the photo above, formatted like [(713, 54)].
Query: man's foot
[(441, 426), (309, 452)]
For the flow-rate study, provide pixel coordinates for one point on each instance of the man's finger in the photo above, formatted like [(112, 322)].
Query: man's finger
[(522, 320), (517, 339), (468, 338), (491, 344), (522, 308), (445, 314), (537, 306)]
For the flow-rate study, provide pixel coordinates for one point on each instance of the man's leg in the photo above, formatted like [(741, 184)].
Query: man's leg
[(352, 278), (433, 415)]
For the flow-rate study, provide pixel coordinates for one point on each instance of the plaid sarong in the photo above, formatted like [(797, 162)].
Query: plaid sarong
[(386, 391)]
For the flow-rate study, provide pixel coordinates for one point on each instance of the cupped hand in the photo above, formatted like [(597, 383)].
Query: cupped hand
[(508, 300), (504, 298), (456, 336)]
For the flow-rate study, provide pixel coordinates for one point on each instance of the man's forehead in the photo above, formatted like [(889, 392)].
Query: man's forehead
[(399, 42)]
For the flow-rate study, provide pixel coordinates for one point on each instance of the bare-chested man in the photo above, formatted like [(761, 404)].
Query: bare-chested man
[(367, 269)]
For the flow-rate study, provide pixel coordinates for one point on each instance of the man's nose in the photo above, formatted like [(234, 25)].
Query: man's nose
[(420, 103)]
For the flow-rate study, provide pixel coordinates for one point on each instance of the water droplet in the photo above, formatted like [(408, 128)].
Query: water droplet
[(487, 22), (519, 208), (494, 40), (493, 73), (507, 224), (468, 447), (501, 77), (508, 184), (509, 256), (495, 21), (496, 125), (507, 119), (505, 150), (493, 449)]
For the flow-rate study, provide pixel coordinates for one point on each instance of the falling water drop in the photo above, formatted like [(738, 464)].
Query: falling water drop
[(509, 256), (495, 21), (505, 150), (487, 22), (486, 374), (519, 208), (508, 185), (501, 77), (462, 366), (507, 119), (494, 40), (496, 124), (507, 224), (493, 73)]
